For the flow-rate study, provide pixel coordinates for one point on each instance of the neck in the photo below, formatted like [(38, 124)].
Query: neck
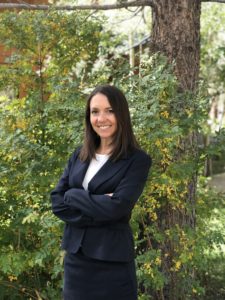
[(104, 148)]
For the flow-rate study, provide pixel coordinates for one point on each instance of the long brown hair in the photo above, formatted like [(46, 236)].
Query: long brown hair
[(124, 140)]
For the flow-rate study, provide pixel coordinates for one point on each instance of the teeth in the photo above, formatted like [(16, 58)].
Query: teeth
[(103, 127)]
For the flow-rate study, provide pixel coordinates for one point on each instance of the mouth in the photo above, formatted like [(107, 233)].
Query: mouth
[(104, 126)]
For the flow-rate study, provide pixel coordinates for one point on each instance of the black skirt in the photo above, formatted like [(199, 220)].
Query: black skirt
[(90, 279)]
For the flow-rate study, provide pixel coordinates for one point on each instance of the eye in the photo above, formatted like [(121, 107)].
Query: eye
[(111, 111), (94, 112)]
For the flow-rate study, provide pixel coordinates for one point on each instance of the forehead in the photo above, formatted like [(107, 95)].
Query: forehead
[(99, 101)]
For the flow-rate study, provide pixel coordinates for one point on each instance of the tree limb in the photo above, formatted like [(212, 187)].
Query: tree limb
[(77, 7), (27, 6), (218, 1)]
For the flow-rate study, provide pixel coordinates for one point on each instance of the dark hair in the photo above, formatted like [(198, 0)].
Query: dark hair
[(124, 140)]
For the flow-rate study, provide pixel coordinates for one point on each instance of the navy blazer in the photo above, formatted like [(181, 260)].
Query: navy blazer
[(93, 220)]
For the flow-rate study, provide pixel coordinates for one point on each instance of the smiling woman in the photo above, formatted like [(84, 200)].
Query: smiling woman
[(95, 197), (112, 103), (103, 121)]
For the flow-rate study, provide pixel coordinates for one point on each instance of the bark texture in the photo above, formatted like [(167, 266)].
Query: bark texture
[(176, 33)]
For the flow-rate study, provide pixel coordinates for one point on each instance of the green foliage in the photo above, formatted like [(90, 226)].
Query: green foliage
[(56, 59), (211, 239), (165, 122), (52, 55), (213, 46), (170, 125)]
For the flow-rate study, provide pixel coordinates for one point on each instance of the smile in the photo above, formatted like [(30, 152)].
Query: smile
[(104, 127)]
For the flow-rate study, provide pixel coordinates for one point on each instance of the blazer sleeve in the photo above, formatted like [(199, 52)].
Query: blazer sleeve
[(120, 204), (61, 209)]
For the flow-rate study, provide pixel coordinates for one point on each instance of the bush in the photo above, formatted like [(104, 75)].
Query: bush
[(176, 246)]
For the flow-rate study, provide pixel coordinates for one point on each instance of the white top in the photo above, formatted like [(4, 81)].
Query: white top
[(94, 166)]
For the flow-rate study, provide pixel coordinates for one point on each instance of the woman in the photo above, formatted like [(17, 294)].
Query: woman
[(95, 197)]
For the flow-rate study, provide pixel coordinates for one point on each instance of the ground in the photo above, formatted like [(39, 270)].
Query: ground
[(218, 182)]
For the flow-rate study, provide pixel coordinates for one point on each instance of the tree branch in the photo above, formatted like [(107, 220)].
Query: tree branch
[(77, 7), (218, 1), (128, 4)]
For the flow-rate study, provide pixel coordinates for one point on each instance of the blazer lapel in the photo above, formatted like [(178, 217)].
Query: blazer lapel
[(107, 171), (78, 173)]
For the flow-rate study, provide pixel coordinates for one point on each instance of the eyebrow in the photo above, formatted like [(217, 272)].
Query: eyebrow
[(109, 107)]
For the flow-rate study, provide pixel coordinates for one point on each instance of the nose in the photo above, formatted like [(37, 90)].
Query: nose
[(101, 117)]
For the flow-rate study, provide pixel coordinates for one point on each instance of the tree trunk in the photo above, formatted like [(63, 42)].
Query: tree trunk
[(176, 33)]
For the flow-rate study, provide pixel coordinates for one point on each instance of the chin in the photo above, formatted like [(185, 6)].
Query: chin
[(105, 136)]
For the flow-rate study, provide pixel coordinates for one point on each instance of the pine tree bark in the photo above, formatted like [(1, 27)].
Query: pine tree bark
[(176, 33)]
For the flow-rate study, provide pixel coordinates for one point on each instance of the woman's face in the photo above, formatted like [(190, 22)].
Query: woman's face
[(102, 117)]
